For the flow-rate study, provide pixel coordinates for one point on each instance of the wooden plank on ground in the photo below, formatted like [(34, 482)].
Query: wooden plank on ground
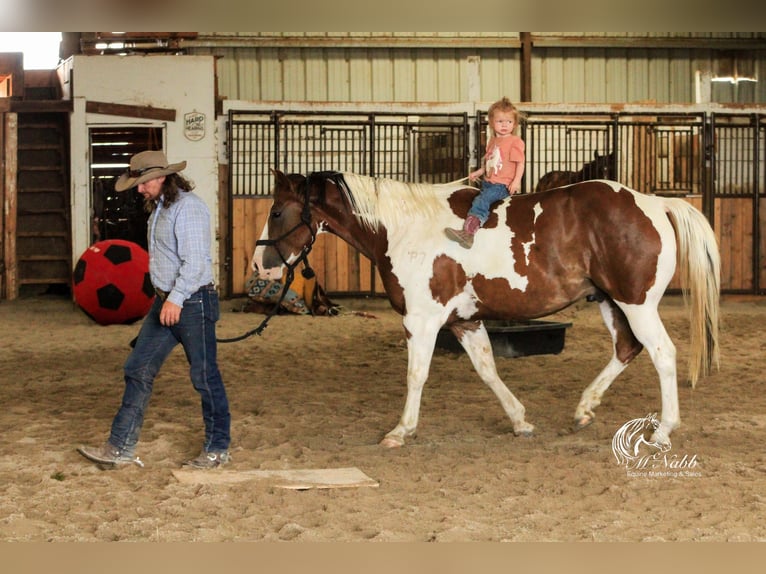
[(299, 479)]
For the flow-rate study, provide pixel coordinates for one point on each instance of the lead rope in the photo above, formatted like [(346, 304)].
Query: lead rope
[(307, 271)]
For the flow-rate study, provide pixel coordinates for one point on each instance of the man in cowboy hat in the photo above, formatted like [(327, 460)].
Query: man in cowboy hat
[(184, 311)]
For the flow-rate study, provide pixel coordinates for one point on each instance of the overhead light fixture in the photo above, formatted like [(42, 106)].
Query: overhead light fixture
[(735, 67), (734, 79)]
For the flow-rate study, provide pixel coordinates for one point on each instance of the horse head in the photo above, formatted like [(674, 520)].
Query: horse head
[(600, 167), (303, 207), (290, 229)]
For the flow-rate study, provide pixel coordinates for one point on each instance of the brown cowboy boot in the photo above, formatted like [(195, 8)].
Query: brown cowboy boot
[(464, 236)]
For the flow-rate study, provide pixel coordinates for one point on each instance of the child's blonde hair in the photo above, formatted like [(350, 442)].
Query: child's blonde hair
[(503, 105)]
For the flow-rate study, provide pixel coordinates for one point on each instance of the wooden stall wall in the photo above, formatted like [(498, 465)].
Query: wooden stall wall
[(733, 225), (247, 219), (734, 229)]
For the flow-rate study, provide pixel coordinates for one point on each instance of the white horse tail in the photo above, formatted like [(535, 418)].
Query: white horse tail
[(699, 268)]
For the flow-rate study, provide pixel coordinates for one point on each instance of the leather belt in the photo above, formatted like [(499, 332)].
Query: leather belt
[(163, 295)]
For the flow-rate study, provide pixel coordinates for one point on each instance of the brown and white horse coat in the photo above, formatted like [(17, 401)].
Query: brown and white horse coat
[(535, 255)]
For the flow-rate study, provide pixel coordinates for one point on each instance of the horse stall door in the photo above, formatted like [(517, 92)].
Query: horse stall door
[(738, 157)]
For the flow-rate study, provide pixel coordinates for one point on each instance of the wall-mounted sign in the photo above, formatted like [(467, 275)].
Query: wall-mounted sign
[(194, 126)]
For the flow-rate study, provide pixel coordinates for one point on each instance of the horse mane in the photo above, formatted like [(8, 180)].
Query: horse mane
[(379, 201)]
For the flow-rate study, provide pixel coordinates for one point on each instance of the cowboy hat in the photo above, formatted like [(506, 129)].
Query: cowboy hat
[(144, 166)]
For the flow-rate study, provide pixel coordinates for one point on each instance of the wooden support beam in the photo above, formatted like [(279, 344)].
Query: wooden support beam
[(130, 111), (526, 66), (9, 151), (39, 106)]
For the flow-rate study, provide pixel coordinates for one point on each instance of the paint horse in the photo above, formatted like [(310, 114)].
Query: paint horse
[(599, 168), (537, 254)]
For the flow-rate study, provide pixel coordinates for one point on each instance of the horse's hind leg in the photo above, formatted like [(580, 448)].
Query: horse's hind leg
[(626, 347), (477, 345), (648, 328)]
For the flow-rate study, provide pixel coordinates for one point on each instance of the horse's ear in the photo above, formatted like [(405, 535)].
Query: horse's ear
[(280, 178), (595, 154)]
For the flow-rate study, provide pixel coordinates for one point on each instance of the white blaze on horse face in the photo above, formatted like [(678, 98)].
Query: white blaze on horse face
[(256, 262)]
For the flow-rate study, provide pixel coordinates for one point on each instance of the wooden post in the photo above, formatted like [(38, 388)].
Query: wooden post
[(10, 178), (526, 66), (224, 237), (2, 202)]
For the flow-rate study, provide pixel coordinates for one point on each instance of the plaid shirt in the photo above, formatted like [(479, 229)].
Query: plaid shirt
[(179, 247)]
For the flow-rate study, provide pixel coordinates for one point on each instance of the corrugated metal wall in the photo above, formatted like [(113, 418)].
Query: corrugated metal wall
[(476, 67), (600, 75), (361, 75)]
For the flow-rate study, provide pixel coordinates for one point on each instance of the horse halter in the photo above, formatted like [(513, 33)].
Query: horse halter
[(307, 271)]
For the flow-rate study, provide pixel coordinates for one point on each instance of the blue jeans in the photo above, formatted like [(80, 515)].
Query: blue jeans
[(490, 193), (195, 331)]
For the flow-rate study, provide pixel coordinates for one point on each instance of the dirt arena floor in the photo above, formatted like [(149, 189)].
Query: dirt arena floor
[(319, 393)]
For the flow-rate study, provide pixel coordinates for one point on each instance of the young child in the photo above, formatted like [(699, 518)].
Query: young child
[(503, 169)]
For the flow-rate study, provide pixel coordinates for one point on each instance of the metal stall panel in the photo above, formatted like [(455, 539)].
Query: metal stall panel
[(738, 194), (661, 154)]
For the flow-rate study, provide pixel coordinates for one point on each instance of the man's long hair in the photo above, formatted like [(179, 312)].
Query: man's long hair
[(174, 183)]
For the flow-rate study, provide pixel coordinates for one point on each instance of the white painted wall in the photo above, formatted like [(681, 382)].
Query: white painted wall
[(183, 83)]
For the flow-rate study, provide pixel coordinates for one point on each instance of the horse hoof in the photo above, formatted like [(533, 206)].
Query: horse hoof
[(525, 430), (583, 422), (661, 440), (392, 442)]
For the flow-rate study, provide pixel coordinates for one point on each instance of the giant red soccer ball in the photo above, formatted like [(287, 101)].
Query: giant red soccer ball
[(111, 282)]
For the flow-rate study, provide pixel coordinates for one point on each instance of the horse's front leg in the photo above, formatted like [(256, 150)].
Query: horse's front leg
[(421, 339), (475, 341)]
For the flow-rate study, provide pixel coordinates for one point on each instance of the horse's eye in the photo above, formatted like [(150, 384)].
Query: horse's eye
[(275, 214)]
